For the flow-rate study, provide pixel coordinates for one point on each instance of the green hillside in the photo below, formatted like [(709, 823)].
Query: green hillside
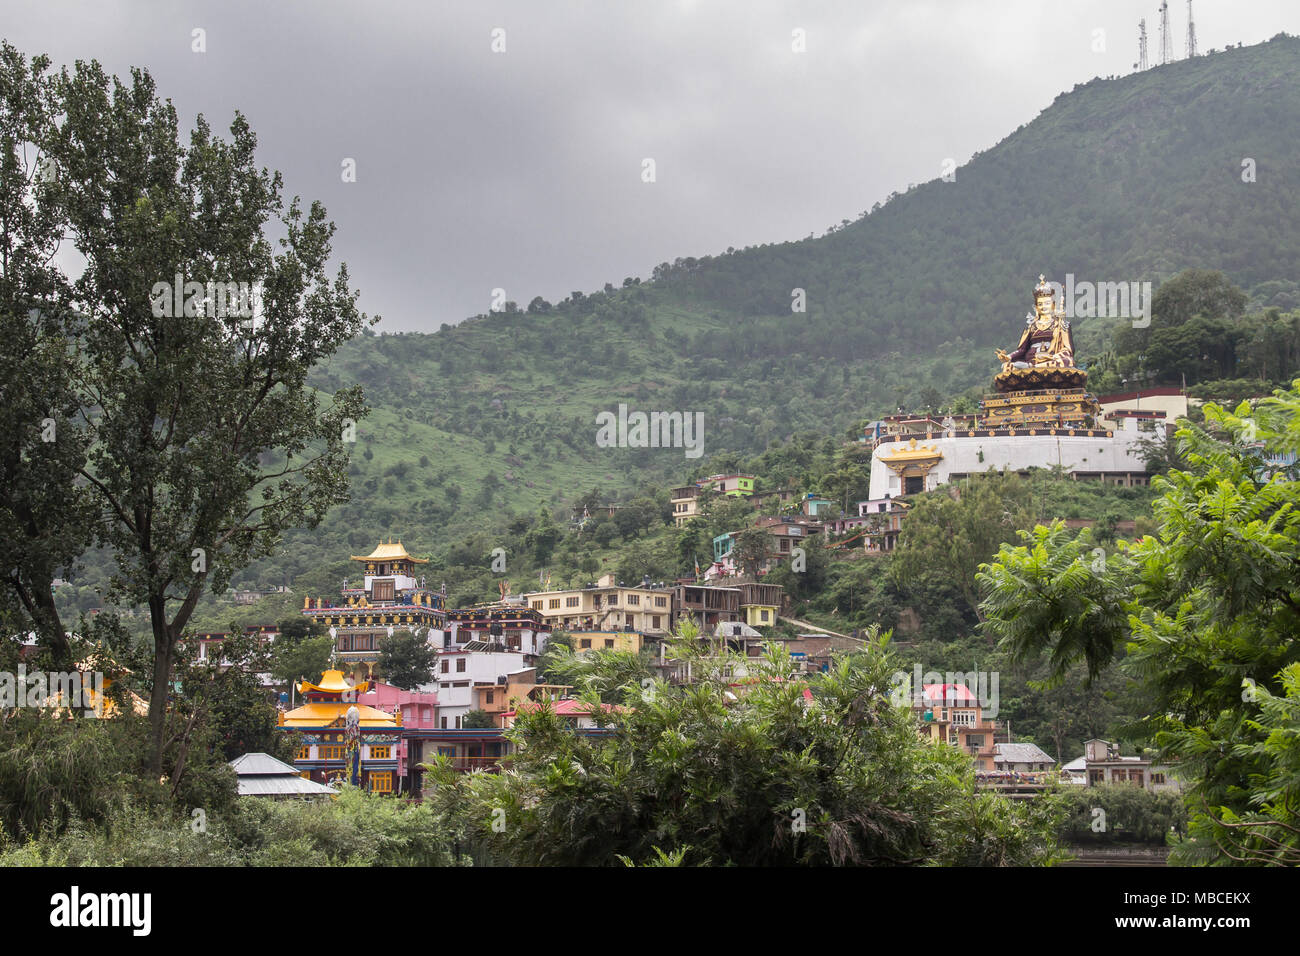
[(1135, 179), (1132, 179)]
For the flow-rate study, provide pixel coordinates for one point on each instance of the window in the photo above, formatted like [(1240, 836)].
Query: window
[(444, 726), (613, 599), (537, 605), (571, 602), (763, 616), (381, 782), (381, 753), (634, 599), (609, 642), (490, 697), (1157, 778), (331, 753), (303, 753), (655, 622), (446, 666), (458, 723), (553, 604), (460, 665), (975, 740), (584, 643), (661, 602), (963, 718)]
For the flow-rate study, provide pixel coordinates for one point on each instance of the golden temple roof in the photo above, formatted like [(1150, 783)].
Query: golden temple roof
[(325, 713), (332, 682), (388, 551), (910, 452)]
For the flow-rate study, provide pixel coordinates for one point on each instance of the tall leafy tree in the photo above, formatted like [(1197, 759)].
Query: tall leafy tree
[(406, 660), (206, 443), (46, 520), (1208, 608), (759, 777), (751, 548), (307, 658), (954, 530)]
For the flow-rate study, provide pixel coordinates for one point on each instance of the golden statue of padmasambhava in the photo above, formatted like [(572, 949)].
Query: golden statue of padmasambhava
[(1046, 341)]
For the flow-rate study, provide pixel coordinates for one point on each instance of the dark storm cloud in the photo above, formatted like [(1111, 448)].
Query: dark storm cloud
[(522, 169)]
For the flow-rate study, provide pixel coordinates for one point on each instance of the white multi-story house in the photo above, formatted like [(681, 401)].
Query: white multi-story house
[(457, 671)]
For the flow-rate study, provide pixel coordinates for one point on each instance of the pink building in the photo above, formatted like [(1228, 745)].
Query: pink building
[(418, 711)]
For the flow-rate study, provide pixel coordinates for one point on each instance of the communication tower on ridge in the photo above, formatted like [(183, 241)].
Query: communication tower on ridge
[(1191, 32), (1166, 40), (1142, 44)]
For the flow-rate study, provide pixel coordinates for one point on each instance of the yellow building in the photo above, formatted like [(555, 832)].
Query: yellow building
[(686, 503), (761, 603), (87, 689), (326, 753), (606, 641), (496, 698), (607, 606)]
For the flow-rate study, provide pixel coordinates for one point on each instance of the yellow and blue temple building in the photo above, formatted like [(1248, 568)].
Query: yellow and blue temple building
[(343, 741)]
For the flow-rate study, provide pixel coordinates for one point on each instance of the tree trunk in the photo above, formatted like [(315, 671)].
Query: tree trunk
[(38, 601), (48, 619), (162, 674)]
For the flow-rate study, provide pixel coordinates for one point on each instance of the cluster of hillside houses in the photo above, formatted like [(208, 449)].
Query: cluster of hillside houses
[(487, 655), (487, 666)]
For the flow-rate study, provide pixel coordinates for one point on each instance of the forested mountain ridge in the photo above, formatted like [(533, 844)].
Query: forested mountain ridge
[(1132, 179), (1129, 179)]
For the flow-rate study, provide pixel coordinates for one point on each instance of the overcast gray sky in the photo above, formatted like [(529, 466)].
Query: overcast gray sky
[(522, 169)]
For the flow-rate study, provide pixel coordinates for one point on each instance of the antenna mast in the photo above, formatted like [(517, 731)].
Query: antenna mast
[(1166, 41), (1142, 44), (1191, 32)]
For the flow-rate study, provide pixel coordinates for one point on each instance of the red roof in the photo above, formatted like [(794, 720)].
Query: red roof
[(949, 692)]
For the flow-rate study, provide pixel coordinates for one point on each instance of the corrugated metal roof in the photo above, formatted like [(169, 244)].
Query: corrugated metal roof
[(735, 629), (1021, 753), (291, 785), (259, 763), (261, 775)]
